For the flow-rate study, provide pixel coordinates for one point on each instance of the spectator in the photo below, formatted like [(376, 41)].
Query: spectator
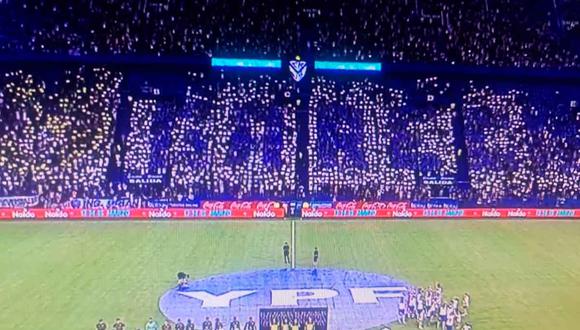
[(233, 137), (56, 138), (368, 142), (490, 33)]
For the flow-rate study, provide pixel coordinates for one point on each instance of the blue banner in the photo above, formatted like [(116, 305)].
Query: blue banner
[(436, 203), (101, 203), (165, 202), (321, 204)]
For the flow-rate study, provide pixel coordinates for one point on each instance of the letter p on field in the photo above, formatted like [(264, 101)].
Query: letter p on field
[(291, 297)]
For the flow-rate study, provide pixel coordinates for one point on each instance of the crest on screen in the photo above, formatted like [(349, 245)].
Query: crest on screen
[(297, 69)]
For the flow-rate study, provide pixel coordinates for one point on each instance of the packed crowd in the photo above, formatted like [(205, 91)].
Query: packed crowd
[(148, 141), (233, 137), (143, 153), (426, 307), (56, 138), (518, 33), (368, 141), (188, 324), (168, 27), (501, 33), (521, 147), (238, 138)]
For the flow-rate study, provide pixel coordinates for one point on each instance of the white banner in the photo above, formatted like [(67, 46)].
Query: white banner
[(100, 203), (18, 201)]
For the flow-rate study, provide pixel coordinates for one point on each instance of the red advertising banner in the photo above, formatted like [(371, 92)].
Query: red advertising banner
[(480, 213), (143, 213), (371, 205), (264, 211), (237, 205)]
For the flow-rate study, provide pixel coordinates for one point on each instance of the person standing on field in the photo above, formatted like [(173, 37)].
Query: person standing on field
[(250, 325), (286, 250), (315, 258), (119, 325), (235, 324), (166, 325), (151, 325), (101, 325), (310, 324), (179, 325), (206, 325)]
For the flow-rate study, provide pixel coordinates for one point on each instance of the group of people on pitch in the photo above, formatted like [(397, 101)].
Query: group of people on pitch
[(288, 261), (294, 325), (427, 307), (179, 325)]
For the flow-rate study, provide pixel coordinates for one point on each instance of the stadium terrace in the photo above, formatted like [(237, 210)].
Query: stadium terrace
[(289, 165), (100, 138)]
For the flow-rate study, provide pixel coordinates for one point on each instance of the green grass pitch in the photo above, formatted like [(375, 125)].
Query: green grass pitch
[(67, 275)]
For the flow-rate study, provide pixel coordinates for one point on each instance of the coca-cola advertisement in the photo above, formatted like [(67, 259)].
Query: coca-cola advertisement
[(398, 206), (240, 205)]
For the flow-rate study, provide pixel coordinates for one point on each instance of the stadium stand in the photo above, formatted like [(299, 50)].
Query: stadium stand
[(236, 138), (233, 137), (516, 33), (267, 137), (368, 141), (56, 138), (521, 147)]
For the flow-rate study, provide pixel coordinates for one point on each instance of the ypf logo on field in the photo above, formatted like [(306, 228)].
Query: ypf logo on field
[(355, 300)]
